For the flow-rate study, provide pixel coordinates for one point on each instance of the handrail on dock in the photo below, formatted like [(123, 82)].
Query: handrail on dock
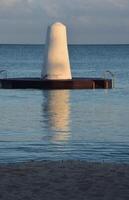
[(2, 71), (112, 75)]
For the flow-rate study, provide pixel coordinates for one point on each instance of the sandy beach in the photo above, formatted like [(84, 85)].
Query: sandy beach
[(64, 180)]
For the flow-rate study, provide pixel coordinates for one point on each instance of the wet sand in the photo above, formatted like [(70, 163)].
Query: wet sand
[(71, 180)]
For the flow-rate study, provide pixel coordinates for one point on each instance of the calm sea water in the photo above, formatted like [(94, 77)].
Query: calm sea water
[(88, 125)]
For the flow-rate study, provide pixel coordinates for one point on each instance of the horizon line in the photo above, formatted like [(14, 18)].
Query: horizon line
[(68, 44)]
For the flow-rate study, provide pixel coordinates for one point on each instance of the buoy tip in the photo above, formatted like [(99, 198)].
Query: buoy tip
[(57, 24)]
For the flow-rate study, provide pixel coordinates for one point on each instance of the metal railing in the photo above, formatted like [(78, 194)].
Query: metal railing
[(108, 72), (4, 73)]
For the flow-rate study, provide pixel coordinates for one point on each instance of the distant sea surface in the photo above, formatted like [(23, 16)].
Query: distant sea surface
[(90, 125)]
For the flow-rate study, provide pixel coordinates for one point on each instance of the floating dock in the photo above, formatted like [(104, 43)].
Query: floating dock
[(38, 83)]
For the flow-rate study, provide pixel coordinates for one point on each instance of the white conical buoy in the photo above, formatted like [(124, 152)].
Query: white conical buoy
[(56, 60)]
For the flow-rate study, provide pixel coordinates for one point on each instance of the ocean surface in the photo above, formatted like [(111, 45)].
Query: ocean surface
[(90, 125)]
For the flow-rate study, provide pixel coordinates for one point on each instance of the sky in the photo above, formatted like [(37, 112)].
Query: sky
[(88, 21)]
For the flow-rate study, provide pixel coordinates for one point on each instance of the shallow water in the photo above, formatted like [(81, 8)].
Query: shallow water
[(66, 124)]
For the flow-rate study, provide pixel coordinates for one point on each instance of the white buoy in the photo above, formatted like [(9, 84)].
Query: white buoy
[(56, 60)]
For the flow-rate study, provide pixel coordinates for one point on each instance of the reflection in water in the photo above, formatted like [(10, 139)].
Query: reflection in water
[(57, 113)]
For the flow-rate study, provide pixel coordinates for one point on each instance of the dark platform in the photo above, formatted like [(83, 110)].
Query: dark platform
[(37, 83)]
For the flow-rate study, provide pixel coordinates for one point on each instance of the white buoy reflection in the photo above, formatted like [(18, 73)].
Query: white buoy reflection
[(57, 111)]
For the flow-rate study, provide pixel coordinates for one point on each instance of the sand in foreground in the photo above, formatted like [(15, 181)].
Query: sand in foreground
[(71, 180)]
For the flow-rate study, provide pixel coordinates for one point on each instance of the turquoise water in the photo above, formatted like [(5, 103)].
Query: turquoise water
[(88, 125)]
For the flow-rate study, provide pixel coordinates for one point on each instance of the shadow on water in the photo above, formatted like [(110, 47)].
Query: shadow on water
[(56, 111)]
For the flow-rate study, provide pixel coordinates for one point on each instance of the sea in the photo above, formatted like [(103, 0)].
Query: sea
[(90, 125)]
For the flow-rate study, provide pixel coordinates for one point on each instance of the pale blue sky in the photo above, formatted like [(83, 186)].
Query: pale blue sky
[(88, 21)]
